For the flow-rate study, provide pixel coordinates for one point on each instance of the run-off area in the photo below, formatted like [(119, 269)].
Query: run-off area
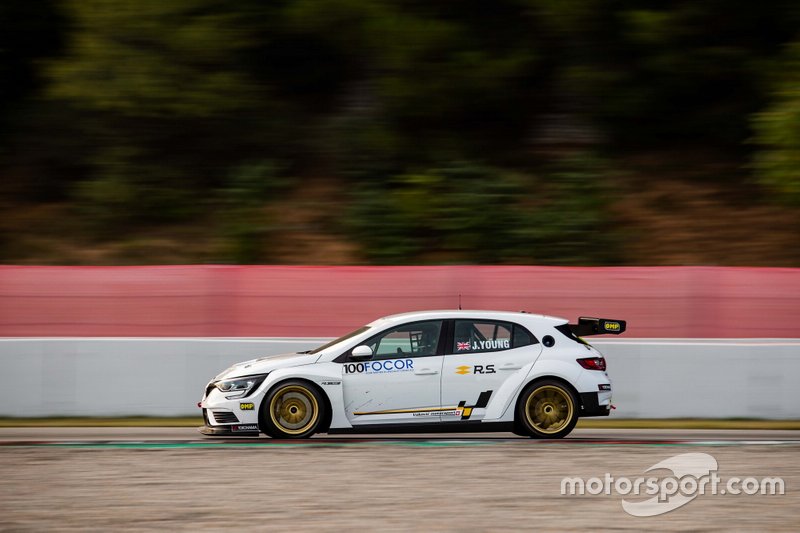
[(455, 488)]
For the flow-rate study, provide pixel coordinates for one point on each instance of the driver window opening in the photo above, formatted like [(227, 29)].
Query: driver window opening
[(419, 339)]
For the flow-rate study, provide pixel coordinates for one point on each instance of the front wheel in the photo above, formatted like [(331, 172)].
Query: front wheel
[(292, 410), (547, 410)]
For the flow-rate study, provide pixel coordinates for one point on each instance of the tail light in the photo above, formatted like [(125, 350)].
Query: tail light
[(592, 363)]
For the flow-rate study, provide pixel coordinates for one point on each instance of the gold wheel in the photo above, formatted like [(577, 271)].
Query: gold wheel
[(294, 409), (549, 409)]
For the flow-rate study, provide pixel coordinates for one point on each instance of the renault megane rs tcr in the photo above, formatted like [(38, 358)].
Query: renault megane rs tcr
[(424, 371)]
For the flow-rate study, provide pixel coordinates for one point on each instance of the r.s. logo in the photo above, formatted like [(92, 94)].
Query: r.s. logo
[(475, 369)]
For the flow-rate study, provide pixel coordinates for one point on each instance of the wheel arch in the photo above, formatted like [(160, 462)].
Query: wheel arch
[(549, 377), (325, 422)]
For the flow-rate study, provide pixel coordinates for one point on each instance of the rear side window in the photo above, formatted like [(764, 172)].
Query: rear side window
[(476, 336), (522, 337)]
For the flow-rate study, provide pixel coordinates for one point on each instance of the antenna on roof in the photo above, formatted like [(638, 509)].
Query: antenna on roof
[(459, 301)]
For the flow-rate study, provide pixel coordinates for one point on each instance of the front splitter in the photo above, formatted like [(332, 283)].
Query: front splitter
[(235, 430)]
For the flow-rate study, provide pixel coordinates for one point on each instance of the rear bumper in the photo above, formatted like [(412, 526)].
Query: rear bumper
[(590, 405)]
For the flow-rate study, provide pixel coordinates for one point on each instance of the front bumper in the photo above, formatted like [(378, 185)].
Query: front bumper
[(235, 416), (238, 430)]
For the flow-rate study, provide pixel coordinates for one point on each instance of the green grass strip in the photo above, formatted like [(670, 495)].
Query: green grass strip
[(686, 423), (133, 421)]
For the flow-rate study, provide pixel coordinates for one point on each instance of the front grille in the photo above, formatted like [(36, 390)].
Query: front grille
[(225, 417)]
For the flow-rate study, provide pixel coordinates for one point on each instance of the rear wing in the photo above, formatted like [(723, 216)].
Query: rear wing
[(597, 326)]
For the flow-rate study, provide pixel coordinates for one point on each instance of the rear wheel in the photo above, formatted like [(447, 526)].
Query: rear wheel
[(292, 410), (547, 410)]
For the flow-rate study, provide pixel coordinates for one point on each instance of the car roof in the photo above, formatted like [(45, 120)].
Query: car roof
[(510, 316)]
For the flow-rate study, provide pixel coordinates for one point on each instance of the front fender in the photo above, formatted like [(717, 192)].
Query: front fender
[(327, 376)]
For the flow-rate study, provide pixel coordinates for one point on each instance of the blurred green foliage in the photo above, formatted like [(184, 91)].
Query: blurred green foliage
[(778, 131), (244, 224), (472, 213), (458, 129)]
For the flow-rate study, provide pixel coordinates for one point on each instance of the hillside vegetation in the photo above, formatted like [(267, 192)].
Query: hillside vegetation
[(592, 132)]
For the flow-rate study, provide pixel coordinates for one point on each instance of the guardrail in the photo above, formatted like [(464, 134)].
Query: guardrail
[(653, 378)]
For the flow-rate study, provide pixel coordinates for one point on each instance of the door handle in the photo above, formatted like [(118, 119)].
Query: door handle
[(425, 372), (510, 367)]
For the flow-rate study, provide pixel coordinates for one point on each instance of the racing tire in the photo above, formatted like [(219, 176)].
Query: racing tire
[(546, 409), (292, 410)]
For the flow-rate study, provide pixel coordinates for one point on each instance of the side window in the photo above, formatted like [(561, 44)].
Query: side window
[(418, 339), (476, 336)]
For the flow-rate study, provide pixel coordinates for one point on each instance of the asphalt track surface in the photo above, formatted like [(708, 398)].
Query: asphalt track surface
[(143, 479), (85, 436)]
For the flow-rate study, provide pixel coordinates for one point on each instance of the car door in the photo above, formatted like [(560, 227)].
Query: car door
[(482, 355), (401, 382)]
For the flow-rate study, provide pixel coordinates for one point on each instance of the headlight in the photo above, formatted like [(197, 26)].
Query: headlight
[(239, 387)]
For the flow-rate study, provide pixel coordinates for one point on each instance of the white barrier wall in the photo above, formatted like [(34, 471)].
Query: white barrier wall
[(120, 376), (692, 378), (668, 378)]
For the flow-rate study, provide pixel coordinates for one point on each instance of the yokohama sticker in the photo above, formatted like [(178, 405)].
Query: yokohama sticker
[(244, 427)]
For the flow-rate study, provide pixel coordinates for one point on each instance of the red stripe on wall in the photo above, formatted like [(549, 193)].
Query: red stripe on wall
[(292, 301)]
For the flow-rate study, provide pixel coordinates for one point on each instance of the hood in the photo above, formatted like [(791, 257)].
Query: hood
[(262, 365)]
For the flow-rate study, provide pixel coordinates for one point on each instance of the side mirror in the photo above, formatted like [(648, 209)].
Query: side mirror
[(361, 353)]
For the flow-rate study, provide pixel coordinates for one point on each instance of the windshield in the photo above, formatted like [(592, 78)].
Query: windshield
[(340, 339)]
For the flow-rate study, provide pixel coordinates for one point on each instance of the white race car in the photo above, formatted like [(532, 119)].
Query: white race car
[(429, 371)]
